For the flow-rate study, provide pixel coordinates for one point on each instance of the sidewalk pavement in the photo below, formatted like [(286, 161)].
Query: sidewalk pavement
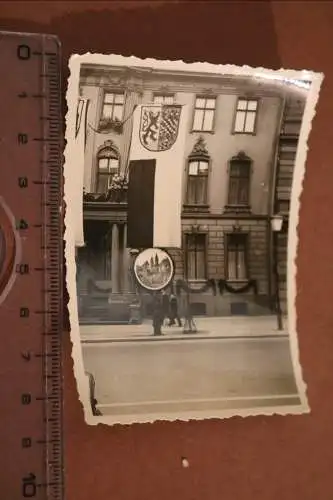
[(207, 327)]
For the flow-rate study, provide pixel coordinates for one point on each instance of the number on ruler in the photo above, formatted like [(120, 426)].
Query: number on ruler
[(24, 312), (29, 487), (22, 138), (26, 356), (21, 224), (26, 442), (23, 52), (26, 399), (22, 268), (23, 182)]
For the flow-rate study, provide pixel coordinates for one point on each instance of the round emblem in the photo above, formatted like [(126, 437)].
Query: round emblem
[(154, 269)]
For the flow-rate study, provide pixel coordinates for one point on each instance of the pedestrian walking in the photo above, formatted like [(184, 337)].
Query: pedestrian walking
[(189, 325), (158, 314), (174, 315), (166, 306)]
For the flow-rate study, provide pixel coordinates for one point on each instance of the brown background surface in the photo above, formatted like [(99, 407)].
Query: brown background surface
[(261, 458)]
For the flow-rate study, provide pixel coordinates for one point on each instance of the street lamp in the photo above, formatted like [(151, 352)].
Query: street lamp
[(276, 224)]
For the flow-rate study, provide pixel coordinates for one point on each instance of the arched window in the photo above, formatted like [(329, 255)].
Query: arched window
[(108, 162), (239, 180), (197, 174)]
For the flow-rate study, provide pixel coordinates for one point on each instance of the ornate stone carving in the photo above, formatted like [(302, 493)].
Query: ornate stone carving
[(107, 125), (164, 89), (195, 228), (241, 156), (108, 150), (200, 149), (120, 80), (207, 91)]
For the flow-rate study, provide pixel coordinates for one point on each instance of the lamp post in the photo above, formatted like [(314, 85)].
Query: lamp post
[(276, 224)]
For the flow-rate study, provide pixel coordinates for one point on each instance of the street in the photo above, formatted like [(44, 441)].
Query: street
[(196, 374)]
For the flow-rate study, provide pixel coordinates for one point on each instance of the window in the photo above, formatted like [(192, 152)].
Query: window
[(195, 256), (239, 180), (197, 174), (197, 182), (163, 99), (204, 112), (113, 106), (246, 113), (236, 262), (107, 167), (283, 206)]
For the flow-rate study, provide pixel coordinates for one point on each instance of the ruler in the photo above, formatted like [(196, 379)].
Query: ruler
[(31, 259)]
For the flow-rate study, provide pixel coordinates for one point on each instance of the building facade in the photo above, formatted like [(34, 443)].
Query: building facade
[(238, 166)]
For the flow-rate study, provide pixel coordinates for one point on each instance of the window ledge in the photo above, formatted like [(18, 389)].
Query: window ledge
[(237, 282), (199, 282), (195, 131), (243, 133), (237, 208), (188, 207)]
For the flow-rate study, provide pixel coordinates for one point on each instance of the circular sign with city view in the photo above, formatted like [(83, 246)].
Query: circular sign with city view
[(154, 269)]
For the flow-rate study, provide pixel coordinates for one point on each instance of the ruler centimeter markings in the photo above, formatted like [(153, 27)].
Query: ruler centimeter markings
[(31, 302)]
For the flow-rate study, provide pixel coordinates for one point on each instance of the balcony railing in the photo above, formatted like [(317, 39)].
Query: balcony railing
[(111, 196), (107, 125)]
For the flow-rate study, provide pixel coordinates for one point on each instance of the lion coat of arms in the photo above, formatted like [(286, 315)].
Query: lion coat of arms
[(159, 126)]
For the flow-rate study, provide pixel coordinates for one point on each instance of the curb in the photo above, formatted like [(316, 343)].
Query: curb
[(184, 337)]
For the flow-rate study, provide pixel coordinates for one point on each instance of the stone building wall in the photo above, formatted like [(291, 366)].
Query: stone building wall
[(258, 267)]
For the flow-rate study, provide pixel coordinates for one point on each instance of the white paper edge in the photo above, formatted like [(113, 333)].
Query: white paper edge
[(71, 97), (18, 250)]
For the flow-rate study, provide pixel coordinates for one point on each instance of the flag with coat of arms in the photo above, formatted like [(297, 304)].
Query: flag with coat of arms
[(156, 171)]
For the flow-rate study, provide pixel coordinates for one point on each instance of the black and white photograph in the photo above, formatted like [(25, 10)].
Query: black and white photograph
[(182, 187)]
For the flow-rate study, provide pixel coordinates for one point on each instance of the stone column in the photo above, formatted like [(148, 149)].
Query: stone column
[(115, 258), (126, 263)]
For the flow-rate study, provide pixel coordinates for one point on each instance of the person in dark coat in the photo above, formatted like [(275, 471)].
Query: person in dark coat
[(166, 306), (189, 324), (158, 313), (174, 315)]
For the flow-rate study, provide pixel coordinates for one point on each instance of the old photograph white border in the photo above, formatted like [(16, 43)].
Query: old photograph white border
[(73, 233)]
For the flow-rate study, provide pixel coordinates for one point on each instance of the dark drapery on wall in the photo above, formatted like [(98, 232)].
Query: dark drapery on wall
[(140, 199)]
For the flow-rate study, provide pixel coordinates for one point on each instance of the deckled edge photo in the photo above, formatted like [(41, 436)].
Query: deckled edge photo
[(74, 230)]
